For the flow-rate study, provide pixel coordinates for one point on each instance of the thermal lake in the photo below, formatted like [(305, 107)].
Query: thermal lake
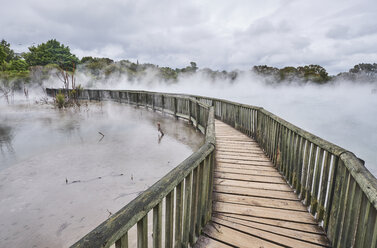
[(60, 177)]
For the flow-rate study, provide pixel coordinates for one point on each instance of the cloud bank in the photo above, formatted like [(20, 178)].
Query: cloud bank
[(222, 35)]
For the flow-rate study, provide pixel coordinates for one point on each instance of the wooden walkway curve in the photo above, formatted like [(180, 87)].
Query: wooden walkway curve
[(253, 205)]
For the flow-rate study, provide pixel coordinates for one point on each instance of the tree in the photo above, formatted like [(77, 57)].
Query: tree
[(95, 65), (17, 65), (193, 66), (289, 73), (9, 53), (190, 69), (315, 73), (265, 70), (3, 55), (367, 69), (51, 52)]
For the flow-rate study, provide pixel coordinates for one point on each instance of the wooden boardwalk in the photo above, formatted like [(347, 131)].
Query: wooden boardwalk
[(253, 205)]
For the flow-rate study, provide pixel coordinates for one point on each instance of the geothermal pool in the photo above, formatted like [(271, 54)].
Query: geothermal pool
[(59, 179)]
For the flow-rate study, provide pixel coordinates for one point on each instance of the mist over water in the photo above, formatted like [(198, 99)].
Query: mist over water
[(59, 178), (344, 113)]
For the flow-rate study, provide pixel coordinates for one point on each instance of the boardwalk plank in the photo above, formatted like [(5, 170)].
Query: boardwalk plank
[(295, 234), (259, 201), (310, 228), (206, 242), (254, 185), (246, 166), (276, 238), (254, 162), (255, 172), (255, 192), (253, 206), (250, 178), (236, 238), (263, 212)]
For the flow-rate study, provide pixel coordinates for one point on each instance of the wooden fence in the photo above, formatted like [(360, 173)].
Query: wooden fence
[(185, 191), (331, 181)]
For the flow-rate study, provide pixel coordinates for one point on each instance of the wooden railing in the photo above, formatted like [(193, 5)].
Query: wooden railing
[(331, 181), (185, 192)]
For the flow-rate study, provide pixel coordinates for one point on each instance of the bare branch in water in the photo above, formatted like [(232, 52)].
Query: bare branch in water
[(101, 137), (110, 213)]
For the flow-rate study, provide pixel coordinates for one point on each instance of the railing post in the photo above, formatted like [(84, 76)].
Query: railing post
[(122, 242), (178, 215), (162, 103), (197, 115), (175, 107), (142, 232), (169, 219), (153, 103), (194, 203), (189, 111), (98, 95), (157, 226), (210, 184), (187, 211)]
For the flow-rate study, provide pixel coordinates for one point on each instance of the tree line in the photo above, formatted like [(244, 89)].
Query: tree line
[(37, 64)]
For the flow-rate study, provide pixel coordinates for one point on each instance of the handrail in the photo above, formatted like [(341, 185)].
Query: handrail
[(331, 181), (187, 188)]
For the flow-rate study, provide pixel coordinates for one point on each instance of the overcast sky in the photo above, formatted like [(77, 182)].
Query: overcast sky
[(336, 34)]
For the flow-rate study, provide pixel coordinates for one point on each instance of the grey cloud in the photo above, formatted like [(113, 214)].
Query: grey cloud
[(221, 35)]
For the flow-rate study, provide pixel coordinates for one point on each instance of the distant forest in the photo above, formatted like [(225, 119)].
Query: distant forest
[(55, 59)]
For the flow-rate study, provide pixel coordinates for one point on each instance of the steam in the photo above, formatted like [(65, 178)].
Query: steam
[(342, 112)]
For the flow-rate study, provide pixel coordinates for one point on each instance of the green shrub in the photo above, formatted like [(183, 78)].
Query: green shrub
[(60, 100)]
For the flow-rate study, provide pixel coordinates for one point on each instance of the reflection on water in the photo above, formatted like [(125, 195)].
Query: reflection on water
[(59, 177), (6, 140)]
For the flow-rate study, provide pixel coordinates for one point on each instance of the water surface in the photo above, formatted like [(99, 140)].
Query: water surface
[(59, 179)]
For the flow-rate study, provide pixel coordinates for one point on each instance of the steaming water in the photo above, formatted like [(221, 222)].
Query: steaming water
[(41, 147), (344, 113)]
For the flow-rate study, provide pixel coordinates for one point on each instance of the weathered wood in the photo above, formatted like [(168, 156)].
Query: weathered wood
[(277, 235), (178, 215), (313, 156), (288, 225), (340, 180), (263, 212), (259, 201), (253, 167), (169, 205), (122, 242), (245, 162), (362, 225), (255, 192), (316, 180), (254, 158), (254, 171), (210, 188), (350, 197), (187, 210), (157, 226), (206, 242), (250, 178), (234, 237), (194, 203), (252, 185), (305, 170), (142, 232), (323, 187), (198, 223)]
